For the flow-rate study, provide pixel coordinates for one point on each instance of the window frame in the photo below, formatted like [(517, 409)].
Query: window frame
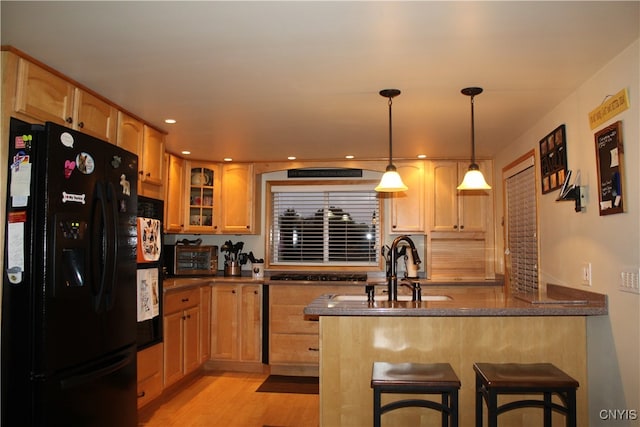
[(328, 186)]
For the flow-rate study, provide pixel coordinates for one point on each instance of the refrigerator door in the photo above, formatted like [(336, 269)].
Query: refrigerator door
[(89, 242), (101, 394)]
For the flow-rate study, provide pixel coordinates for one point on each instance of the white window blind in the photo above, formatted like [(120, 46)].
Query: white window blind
[(313, 225), (522, 235)]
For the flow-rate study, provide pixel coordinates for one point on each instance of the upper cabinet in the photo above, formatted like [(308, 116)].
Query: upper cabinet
[(151, 169), (217, 199), (44, 96), (407, 207), (174, 187), (202, 188), (148, 144), (238, 199), (453, 210)]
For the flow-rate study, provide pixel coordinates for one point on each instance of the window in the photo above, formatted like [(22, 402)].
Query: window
[(334, 223), (521, 227)]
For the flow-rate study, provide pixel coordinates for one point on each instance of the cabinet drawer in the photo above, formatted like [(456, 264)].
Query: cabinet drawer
[(290, 319), (149, 362), (149, 389), (181, 300), (294, 349)]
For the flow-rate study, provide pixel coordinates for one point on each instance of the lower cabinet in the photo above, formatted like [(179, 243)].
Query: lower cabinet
[(236, 320), (181, 334), (149, 374), (294, 347)]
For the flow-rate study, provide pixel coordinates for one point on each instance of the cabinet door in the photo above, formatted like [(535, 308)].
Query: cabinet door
[(251, 321), (173, 348), (237, 199), (130, 134), (224, 322), (445, 196), (205, 323), (152, 163), (173, 207), (94, 116), (407, 207), (473, 204), (43, 95), (191, 325), (201, 197)]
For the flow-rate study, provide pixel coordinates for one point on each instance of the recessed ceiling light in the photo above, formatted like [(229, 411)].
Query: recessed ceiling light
[(227, 159), (170, 121), (349, 156), (186, 152), (422, 156), (291, 157)]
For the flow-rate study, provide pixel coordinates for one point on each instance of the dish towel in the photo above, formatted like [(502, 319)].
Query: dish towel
[(148, 239), (148, 298)]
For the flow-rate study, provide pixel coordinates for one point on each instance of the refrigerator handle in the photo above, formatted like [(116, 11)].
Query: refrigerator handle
[(92, 374), (97, 246), (111, 262)]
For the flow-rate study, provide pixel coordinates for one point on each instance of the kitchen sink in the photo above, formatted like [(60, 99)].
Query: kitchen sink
[(383, 297)]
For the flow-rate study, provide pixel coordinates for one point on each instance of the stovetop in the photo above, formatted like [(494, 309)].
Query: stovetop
[(320, 277)]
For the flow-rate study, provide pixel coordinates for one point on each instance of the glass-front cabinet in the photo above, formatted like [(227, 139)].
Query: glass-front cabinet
[(203, 195)]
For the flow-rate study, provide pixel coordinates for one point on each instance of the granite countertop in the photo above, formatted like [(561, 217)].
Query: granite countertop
[(174, 283), (461, 301)]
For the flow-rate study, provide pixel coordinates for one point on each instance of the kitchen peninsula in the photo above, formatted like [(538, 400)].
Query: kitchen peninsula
[(475, 324)]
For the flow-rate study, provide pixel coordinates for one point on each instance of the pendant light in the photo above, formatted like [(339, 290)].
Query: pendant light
[(391, 181), (473, 179)]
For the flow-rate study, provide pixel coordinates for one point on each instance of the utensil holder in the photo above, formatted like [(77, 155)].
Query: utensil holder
[(232, 268)]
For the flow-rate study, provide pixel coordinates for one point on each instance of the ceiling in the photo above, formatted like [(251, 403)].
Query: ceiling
[(265, 80)]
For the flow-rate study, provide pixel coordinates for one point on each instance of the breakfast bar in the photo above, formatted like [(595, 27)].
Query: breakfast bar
[(459, 325)]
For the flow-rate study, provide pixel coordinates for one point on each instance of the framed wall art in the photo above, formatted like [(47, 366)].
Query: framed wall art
[(609, 156), (553, 159)]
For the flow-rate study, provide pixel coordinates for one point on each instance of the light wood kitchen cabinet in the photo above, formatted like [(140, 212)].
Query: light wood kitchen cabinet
[(149, 374), (236, 319), (294, 347), (174, 187), (205, 323), (237, 208), (460, 243), (407, 207), (181, 334), (130, 133), (201, 197), (151, 165), (45, 96), (452, 209)]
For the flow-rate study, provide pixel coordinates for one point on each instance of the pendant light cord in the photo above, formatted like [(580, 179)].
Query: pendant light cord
[(390, 134), (473, 135)]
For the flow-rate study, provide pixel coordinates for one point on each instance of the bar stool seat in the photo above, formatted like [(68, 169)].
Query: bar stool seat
[(416, 378), (493, 379)]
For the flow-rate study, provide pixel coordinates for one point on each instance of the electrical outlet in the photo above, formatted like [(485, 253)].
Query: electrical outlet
[(629, 281), (586, 274)]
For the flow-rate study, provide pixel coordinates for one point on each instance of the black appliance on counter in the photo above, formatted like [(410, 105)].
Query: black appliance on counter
[(150, 262), (69, 280)]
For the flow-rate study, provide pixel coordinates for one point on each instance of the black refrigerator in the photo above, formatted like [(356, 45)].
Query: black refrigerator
[(69, 280)]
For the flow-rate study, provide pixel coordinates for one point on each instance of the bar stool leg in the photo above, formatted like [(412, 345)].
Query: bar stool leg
[(445, 404), (376, 408), (547, 409), (479, 402), (571, 408), (492, 404), (454, 408)]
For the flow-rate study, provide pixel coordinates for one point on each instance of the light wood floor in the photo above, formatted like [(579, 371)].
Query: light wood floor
[(229, 399)]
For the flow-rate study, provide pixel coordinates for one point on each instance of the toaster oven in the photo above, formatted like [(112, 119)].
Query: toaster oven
[(192, 260)]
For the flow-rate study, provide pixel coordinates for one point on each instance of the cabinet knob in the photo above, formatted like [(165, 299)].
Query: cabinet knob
[(141, 394), (69, 120), (248, 227), (314, 349), (148, 174), (462, 227), (185, 299), (140, 173), (81, 125), (455, 226), (233, 291)]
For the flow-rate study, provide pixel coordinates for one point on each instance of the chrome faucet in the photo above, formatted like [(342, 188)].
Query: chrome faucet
[(392, 273)]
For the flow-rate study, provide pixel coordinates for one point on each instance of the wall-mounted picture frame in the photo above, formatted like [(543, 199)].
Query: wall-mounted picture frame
[(553, 159), (609, 162)]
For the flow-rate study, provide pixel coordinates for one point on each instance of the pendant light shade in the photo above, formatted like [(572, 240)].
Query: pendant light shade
[(391, 181), (473, 179)]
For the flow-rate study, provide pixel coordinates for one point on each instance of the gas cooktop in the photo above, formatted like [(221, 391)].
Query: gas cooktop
[(320, 277)]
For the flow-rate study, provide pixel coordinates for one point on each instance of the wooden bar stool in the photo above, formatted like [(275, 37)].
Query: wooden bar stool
[(416, 378), (493, 379)]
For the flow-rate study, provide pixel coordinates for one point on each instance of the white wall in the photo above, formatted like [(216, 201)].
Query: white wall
[(610, 243)]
